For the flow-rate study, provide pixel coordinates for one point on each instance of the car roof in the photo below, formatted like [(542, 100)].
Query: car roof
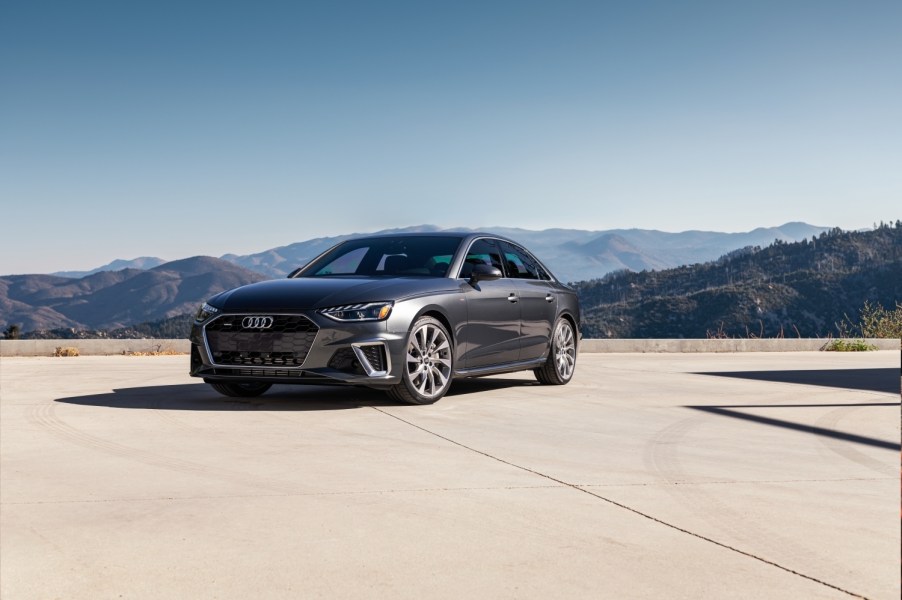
[(469, 235)]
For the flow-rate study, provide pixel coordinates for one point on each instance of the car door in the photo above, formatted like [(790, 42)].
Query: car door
[(537, 299), (492, 333)]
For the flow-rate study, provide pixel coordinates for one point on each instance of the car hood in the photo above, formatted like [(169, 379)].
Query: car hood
[(319, 292)]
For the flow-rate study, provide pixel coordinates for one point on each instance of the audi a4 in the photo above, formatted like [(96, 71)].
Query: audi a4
[(402, 313)]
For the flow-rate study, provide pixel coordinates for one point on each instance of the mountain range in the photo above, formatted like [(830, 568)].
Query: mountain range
[(123, 293), (571, 254)]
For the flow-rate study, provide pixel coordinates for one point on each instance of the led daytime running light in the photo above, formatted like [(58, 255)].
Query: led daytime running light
[(369, 311), (205, 312)]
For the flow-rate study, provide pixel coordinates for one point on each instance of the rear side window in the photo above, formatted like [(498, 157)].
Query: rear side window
[(520, 264)]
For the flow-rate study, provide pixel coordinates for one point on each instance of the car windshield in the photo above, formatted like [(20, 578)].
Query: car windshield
[(426, 256)]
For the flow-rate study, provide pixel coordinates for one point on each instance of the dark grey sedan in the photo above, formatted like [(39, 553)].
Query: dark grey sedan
[(403, 313)]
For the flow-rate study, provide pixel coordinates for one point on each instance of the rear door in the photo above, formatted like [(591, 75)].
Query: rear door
[(538, 300)]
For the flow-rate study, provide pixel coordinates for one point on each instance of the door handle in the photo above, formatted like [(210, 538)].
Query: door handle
[(549, 298), (512, 297)]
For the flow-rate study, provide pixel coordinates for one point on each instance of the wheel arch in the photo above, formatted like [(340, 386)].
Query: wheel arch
[(572, 320), (441, 317)]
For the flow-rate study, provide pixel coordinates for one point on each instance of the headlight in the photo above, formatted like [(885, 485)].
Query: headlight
[(205, 312), (372, 311)]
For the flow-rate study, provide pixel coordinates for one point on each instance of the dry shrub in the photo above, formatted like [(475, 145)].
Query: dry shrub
[(158, 352), (66, 351)]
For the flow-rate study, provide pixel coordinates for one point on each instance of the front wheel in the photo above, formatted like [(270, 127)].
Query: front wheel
[(426, 374), (248, 389), (561, 363)]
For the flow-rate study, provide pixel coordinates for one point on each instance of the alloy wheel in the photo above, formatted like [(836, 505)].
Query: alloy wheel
[(429, 360), (564, 350)]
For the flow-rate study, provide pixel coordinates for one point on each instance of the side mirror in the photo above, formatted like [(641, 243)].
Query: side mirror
[(484, 273)]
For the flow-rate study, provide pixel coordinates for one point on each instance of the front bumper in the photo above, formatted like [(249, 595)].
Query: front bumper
[(340, 353)]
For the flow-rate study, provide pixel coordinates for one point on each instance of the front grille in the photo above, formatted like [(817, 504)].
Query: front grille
[(284, 344)]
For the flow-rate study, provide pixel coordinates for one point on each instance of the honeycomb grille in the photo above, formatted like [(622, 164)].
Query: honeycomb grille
[(375, 355), (284, 344)]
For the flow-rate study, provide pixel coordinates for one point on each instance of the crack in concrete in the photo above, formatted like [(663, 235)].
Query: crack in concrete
[(623, 506)]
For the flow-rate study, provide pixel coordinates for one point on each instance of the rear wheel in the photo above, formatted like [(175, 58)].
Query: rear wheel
[(561, 363), (426, 375), (244, 389)]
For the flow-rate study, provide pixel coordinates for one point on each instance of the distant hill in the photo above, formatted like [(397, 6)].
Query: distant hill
[(790, 289), (142, 262), (115, 299), (571, 254)]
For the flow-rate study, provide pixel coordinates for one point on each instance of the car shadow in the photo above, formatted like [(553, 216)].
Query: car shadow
[(727, 411), (476, 385), (201, 397), (871, 380)]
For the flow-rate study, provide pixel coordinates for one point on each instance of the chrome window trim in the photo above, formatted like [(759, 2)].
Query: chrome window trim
[(463, 257)]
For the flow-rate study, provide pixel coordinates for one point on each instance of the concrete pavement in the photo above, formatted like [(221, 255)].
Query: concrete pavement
[(670, 475)]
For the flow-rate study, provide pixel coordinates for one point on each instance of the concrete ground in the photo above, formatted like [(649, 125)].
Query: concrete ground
[(676, 476)]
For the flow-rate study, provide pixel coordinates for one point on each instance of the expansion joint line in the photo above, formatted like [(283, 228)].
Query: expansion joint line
[(623, 506)]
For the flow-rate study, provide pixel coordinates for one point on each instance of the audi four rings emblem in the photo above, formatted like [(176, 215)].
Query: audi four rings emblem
[(256, 322)]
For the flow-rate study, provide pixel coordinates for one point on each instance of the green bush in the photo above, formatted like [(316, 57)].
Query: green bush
[(878, 322), (849, 346), (874, 321)]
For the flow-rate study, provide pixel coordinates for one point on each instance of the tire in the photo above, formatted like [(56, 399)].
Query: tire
[(561, 363), (247, 389), (428, 364)]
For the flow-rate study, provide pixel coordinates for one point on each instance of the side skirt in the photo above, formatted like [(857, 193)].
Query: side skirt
[(505, 368)]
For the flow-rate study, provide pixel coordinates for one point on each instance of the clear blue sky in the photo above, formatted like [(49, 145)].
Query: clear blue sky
[(181, 128)]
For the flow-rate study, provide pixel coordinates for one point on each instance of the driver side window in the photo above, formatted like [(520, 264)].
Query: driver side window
[(481, 252)]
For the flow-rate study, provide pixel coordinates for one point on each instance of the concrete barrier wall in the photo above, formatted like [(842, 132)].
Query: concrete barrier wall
[(91, 347), (110, 347)]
